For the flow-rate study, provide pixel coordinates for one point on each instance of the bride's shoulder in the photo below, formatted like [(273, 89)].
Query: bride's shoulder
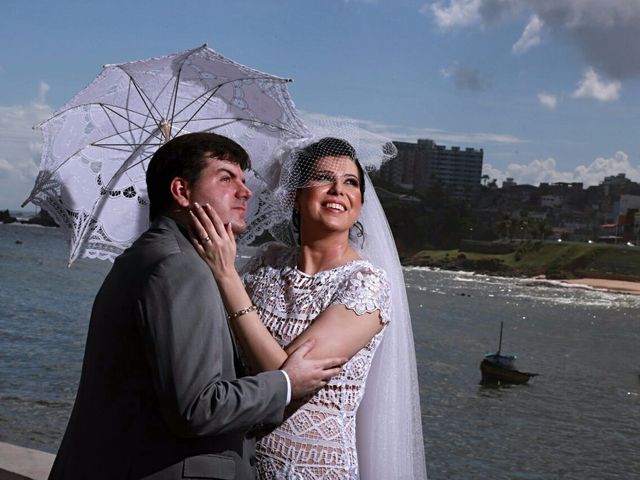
[(362, 273), (365, 288), (362, 267)]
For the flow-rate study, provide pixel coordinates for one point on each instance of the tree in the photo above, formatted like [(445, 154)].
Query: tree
[(540, 229), (505, 226)]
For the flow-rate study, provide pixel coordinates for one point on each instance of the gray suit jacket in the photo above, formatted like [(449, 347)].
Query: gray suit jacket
[(159, 396)]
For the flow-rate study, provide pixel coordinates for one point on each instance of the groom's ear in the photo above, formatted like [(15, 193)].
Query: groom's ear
[(181, 192)]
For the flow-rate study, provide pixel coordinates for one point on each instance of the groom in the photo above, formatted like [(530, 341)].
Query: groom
[(159, 395)]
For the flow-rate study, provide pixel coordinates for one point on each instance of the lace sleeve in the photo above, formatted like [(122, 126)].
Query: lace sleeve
[(365, 290)]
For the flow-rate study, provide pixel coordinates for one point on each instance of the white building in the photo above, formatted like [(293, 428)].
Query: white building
[(421, 165)]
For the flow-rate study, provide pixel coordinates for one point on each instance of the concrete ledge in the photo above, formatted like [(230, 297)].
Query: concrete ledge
[(19, 463)]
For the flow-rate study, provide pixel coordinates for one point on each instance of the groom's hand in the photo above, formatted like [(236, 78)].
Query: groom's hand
[(307, 376)]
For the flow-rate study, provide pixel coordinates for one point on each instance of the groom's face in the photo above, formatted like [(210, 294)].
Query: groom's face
[(222, 185)]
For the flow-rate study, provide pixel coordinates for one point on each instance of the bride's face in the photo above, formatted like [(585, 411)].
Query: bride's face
[(333, 199)]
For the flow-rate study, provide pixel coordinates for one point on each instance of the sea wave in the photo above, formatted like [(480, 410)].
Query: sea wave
[(544, 290)]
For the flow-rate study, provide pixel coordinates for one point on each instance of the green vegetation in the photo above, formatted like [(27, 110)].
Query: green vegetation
[(433, 229), (552, 259), (431, 219)]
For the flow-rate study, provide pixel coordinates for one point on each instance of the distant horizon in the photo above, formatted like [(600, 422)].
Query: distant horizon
[(21, 211), (35, 208)]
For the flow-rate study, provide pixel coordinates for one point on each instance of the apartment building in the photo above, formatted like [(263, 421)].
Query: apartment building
[(418, 166)]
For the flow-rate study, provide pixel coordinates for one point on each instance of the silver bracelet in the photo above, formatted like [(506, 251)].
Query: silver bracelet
[(242, 312)]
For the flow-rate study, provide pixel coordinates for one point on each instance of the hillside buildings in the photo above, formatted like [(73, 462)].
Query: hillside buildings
[(609, 211)]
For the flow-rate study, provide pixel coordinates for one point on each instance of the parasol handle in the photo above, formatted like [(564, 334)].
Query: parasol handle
[(165, 128)]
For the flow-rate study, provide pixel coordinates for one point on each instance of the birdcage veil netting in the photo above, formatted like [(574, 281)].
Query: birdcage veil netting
[(389, 430), (295, 166)]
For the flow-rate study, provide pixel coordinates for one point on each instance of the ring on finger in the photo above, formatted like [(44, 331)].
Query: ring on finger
[(206, 239)]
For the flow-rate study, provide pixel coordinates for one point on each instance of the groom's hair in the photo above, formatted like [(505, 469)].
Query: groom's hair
[(185, 157)]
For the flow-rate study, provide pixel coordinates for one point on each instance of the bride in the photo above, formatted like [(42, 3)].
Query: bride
[(346, 292)]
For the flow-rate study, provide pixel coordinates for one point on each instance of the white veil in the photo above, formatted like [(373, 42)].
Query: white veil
[(388, 426)]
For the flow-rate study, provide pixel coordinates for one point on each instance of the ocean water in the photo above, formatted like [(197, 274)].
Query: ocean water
[(579, 419)]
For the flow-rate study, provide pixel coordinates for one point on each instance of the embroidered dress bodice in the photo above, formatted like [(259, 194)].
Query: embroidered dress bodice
[(319, 439)]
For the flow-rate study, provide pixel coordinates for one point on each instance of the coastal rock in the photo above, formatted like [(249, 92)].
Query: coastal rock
[(5, 217), (487, 266), (42, 218)]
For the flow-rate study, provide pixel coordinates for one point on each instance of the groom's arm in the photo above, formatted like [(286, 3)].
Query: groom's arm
[(187, 343)]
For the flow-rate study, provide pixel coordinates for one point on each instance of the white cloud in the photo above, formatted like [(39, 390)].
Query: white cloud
[(591, 86), (459, 13), (538, 171), (548, 100), (19, 171), (479, 139), (546, 170), (20, 148), (493, 172), (601, 167), (530, 36), (42, 93), (605, 31), (404, 134)]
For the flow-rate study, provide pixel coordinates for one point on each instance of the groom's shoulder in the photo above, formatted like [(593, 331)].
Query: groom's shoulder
[(163, 243), (158, 260)]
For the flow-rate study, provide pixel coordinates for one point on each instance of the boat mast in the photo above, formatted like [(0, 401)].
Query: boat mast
[(500, 341)]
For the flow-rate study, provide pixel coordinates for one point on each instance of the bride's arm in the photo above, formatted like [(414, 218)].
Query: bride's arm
[(336, 331), (219, 251)]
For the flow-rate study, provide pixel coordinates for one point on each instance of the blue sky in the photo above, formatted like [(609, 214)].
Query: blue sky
[(550, 89)]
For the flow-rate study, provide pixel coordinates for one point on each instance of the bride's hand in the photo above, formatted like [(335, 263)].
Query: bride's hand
[(213, 240)]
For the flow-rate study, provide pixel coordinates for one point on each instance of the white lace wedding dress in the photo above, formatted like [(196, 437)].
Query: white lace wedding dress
[(319, 440)]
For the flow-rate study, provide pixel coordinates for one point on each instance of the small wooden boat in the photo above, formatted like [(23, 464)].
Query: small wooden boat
[(500, 369)]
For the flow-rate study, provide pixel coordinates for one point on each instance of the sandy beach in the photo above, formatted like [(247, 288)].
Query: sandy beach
[(619, 286)]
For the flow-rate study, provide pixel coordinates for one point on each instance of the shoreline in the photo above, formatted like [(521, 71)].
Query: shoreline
[(614, 286), (606, 285)]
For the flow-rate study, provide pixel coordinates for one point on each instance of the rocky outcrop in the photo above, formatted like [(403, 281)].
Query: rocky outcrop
[(5, 217), (489, 266), (42, 218)]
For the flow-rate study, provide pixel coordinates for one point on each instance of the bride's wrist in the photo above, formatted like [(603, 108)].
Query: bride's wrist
[(228, 279)]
